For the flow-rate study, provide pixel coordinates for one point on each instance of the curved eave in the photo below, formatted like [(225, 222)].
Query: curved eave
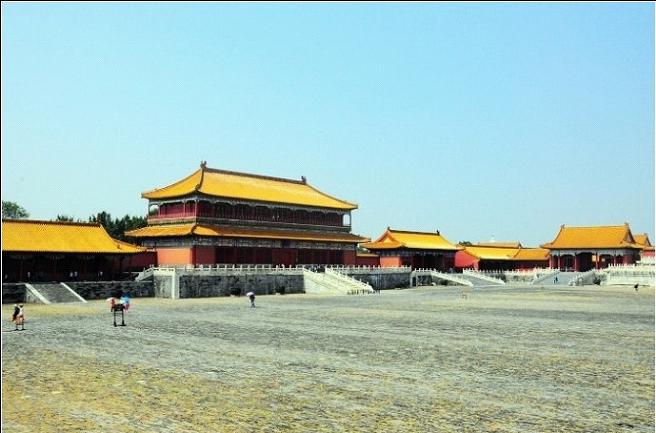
[(231, 232), (181, 188), (345, 204)]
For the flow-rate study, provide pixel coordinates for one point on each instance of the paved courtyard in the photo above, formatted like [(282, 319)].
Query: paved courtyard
[(421, 360)]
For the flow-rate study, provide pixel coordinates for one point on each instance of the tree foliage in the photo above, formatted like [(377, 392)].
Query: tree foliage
[(117, 227), (12, 210), (65, 218)]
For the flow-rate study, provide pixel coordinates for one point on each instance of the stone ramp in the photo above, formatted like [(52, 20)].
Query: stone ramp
[(433, 276), (333, 283), (480, 279), (53, 293)]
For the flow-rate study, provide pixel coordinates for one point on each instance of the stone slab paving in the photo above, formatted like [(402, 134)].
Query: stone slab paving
[(506, 359)]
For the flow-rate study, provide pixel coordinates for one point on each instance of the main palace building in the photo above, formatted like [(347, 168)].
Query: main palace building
[(217, 216), (224, 217)]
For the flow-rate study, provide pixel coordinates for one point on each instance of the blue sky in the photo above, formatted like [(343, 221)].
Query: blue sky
[(484, 121)]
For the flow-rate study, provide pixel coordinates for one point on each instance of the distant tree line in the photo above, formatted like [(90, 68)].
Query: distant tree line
[(115, 227), (118, 226), (12, 210)]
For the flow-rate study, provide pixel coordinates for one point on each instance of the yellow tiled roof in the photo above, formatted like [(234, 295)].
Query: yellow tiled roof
[(228, 184), (532, 254), (171, 230), (593, 237), (500, 244), (61, 237), (393, 239), (643, 240), (491, 253)]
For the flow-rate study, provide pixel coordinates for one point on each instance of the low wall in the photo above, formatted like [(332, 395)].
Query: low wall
[(201, 286), (379, 280), (17, 292), (104, 289), (201, 283), (13, 293)]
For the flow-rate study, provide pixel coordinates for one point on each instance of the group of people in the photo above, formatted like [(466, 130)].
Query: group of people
[(19, 317), (122, 300)]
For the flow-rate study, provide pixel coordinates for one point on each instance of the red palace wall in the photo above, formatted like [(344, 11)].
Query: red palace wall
[(527, 265), (174, 256), (141, 261), (204, 255), (390, 262), (350, 258), (464, 260), (367, 261)]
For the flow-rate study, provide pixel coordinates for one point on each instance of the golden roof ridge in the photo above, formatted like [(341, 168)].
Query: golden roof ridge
[(70, 223), (257, 176), (437, 232)]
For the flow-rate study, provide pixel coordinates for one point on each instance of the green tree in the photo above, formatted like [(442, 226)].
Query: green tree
[(12, 210), (117, 227)]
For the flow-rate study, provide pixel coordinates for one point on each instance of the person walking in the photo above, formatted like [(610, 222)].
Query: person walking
[(251, 296)]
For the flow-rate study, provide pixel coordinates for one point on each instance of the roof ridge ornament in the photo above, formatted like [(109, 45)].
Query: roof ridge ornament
[(203, 167), (303, 180)]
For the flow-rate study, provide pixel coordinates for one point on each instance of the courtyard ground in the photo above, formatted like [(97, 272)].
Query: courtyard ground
[(420, 360)]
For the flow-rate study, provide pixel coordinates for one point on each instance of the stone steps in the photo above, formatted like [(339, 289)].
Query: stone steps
[(55, 293)]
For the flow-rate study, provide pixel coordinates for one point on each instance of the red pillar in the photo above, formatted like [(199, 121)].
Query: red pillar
[(576, 262), (614, 259), (558, 261), (626, 259), (598, 262)]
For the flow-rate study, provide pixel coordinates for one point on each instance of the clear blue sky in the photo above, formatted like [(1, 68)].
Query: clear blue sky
[(480, 120)]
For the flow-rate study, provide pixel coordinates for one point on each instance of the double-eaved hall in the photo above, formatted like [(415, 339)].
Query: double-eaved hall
[(217, 216)]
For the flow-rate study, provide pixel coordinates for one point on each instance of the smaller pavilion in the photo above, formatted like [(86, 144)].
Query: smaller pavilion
[(593, 247), (416, 249), (645, 243), (62, 251), (501, 256)]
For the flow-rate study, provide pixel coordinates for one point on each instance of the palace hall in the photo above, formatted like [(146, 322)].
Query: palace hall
[(501, 256), (593, 247), (62, 251), (415, 249), (216, 216)]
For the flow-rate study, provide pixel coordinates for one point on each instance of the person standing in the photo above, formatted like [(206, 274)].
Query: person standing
[(20, 317), (14, 316)]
